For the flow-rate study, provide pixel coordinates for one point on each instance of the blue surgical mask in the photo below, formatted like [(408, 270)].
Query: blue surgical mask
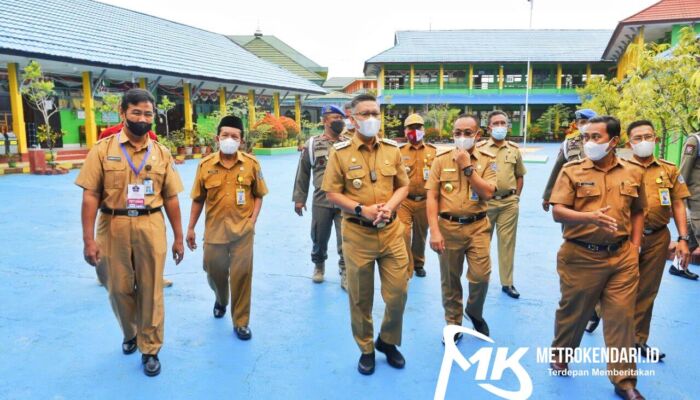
[(499, 132)]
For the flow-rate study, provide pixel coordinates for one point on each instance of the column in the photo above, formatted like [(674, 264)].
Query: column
[(18, 126), (222, 101), (89, 107), (187, 95), (251, 109), (276, 104)]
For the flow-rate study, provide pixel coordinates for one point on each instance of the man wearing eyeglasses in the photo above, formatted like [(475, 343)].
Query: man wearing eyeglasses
[(461, 182), (666, 194), (366, 179)]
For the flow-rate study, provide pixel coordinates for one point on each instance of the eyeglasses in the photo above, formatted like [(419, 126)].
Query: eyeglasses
[(647, 138), (368, 114), (465, 133)]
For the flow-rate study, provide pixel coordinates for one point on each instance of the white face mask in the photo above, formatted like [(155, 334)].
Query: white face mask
[(369, 127), (229, 145), (643, 149), (596, 151), (499, 132), (464, 143), (348, 125)]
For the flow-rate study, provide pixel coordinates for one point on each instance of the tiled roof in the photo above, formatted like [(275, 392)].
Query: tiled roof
[(667, 10)]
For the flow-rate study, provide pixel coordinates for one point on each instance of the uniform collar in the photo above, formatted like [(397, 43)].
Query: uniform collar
[(123, 138), (474, 154), (654, 160), (588, 164), (217, 158), (420, 145), (357, 142), (492, 143)]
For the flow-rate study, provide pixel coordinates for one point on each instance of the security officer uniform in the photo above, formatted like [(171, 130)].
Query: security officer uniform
[(504, 207), (324, 215), (596, 265), (571, 150), (229, 195), (465, 227), (690, 170), (370, 176), (131, 231), (417, 160)]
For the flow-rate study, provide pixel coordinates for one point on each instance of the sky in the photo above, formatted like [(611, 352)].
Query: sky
[(341, 36)]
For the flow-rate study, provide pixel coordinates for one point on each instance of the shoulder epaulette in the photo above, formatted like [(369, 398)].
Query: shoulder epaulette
[(443, 152), (431, 145), (341, 145), (511, 143), (252, 157), (390, 142), (666, 162), (574, 162), (207, 158), (488, 153)]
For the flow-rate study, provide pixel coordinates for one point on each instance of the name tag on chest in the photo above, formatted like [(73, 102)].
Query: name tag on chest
[(135, 196)]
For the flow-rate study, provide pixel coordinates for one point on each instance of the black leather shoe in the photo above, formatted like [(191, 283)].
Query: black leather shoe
[(457, 339), (151, 364), (366, 364), (129, 347), (683, 273), (647, 352), (480, 325), (559, 369), (219, 310), (592, 323), (243, 332), (629, 394), (393, 355), (511, 291), (420, 272)]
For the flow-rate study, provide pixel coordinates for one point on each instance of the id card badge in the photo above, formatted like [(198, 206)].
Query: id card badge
[(135, 196), (426, 173), (148, 184), (240, 196), (665, 197), (473, 196)]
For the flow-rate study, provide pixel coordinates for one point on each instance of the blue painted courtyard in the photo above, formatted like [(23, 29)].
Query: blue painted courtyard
[(60, 339)]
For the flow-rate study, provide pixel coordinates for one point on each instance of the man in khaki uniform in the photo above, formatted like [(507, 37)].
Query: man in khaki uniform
[(350, 129), (324, 215), (130, 178), (666, 193), (460, 184), (366, 179), (600, 201), (690, 170), (504, 206), (231, 185), (417, 157)]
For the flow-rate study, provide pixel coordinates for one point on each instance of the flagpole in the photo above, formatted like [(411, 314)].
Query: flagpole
[(527, 85)]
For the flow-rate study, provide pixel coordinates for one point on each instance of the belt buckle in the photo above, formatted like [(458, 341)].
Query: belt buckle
[(132, 213), (648, 231), (593, 247), (463, 220)]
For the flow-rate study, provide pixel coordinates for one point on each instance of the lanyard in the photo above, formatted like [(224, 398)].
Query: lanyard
[(137, 171)]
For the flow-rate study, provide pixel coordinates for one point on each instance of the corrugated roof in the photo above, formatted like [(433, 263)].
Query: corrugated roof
[(101, 34), (339, 82), (479, 99), (667, 10), (488, 45), (284, 48)]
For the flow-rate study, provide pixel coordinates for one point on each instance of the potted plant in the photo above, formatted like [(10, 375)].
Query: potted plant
[(178, 139), (12, 161), (206, 141)]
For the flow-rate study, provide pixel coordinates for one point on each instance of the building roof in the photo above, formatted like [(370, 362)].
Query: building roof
[(656, 19), (282, 54), (479, 99), (489, 45), (339, 82), (87, 32), (667, 10)]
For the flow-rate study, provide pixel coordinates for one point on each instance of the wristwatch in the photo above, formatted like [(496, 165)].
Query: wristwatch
[(468, 171), (358, 209), (683, 237)]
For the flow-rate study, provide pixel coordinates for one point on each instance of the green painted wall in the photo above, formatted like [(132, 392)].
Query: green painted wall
[(675, 33), (70, 124)]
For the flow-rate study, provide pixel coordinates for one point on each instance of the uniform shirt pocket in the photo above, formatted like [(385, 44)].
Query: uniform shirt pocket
[(629, 189), (115, 175)]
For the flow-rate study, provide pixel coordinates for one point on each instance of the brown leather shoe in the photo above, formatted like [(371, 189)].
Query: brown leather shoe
[(629, 394), (560, 369)]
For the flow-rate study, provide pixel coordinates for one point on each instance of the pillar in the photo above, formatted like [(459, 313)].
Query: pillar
[(529, 78), (559, 76), (187, 95), (297, 110), (380, 81), (276, 104), (470, 77), (18, 126), (441, 77), (89, 107), (588, 73), (143, 83), (412, 76), (500, 77), (251, 109), (222, 101)]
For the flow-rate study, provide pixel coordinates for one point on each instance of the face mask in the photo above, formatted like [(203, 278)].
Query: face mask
[(499, 132), (369, 127), (138, 128), (464, 143), (643, 149), (229, 146), (582, 129), (596, 151), (415, 135), (348, 124), (337, 127)]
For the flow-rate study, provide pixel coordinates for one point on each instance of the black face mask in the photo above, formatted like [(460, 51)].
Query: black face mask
[(138, 128), (337, 127)]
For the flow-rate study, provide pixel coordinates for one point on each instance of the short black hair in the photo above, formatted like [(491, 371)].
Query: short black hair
[(494, 113), (136, 96), (612, 124), (637, 124), (347, 105), (360, 98), (472, 116)]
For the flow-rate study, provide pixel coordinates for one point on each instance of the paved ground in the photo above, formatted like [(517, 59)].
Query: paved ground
[(61, 341)]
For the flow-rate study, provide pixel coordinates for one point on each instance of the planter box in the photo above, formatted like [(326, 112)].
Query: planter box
[(273, 151)]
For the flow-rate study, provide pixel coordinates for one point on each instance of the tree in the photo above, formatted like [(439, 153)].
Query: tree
[(553, 118), (442, 117), (110, 104), (165, 106), (41, 94)]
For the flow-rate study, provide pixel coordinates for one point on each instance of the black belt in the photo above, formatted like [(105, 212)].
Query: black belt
[(130, 212), (368, 224), (610, 248), (463, 220), (653, 231), (505, 196), (417, 198)]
